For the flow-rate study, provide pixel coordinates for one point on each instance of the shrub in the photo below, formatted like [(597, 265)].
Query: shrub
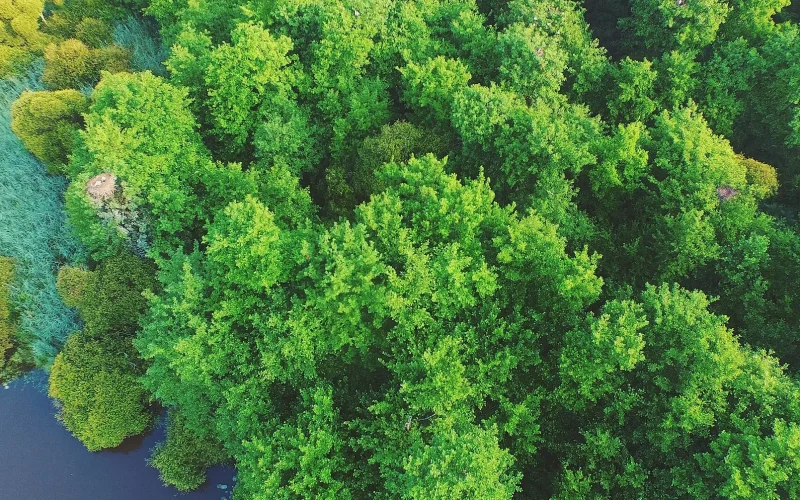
[(184, 457), (12, 59), (72, 284), (20, 37), (102, 401), (94, 32), (67, 64), (7, 326), (71, 64), (115, 301), (48, 123), (110, 298), (397, 142), (113, 59), (762, 178)]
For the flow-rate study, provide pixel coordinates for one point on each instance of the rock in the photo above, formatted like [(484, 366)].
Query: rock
[(102, 187)]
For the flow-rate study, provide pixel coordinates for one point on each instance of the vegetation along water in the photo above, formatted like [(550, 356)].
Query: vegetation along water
[(400, 249)]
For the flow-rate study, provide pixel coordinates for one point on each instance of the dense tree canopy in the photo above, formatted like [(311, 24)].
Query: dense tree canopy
[(95, 377), (432, 248)]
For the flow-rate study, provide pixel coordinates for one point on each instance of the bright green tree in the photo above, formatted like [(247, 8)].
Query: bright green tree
[(102, 401), (48, 124)]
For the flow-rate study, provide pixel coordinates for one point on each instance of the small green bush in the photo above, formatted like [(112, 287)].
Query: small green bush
[(113, 59), (48, 124), (184, 458), (72, 284), (72, 64), (13, 59), (397, 142), (110, 298), (115, 301), (102, 400), (95, 33), (762, 178), (96, 375), (20, 38), (67, 64)]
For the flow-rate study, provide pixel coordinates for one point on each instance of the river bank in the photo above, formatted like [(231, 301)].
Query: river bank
[(41, 460)]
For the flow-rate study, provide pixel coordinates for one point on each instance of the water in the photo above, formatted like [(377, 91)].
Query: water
[(41, 460)]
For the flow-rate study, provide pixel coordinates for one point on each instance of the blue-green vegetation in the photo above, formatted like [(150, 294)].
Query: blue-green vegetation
[(33, 232), (141, 37)]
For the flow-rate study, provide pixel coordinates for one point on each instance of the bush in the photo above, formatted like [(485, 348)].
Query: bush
[(71, 64), (48, 124), (13, 59), (110, 298), (113, 59), (762, 178), (397, 142), (67, 64), (184, 458), (115, 301), (72, 284), (102, 401), (20, 37), (94, 32), (7, 326)]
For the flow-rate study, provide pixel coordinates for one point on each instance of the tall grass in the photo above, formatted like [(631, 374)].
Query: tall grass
[(33, 231), (141, 37), (33, 228)]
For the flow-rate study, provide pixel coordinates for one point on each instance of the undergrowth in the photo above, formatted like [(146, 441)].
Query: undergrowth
[(141, 37), (33, 231)]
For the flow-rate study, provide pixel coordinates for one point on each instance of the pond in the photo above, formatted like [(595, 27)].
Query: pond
[(41, 460)]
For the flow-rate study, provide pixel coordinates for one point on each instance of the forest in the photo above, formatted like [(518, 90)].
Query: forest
[(412, 249)]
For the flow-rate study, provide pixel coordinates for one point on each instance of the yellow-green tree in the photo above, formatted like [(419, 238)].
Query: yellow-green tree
[(48, 124)]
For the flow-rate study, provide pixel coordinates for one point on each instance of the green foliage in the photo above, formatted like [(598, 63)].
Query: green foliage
[(532, 63), (20, 37), (701, 399), (433, 85), (761, 177), (403, 267), (73, 283), (676, 170), (95, 33), (102, 401), (34, 234), (7, 320), (109, 298), (343, 314), (633, 91), (95, 376), (397, 142), (71, 64), (48, 124), (183, 458), (157, 166), (664, 25), (243, 76)]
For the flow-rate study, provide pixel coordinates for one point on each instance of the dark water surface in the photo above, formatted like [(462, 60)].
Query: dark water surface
[(41, 460)]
